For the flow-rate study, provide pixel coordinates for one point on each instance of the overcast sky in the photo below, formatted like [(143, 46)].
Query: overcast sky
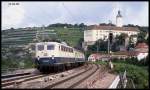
[(28, 14)]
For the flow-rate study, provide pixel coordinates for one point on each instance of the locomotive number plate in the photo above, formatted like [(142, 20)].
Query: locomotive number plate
[(45, 54)]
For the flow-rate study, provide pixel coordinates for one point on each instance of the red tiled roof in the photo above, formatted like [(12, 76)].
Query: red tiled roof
[(141, 45), (96, 27)]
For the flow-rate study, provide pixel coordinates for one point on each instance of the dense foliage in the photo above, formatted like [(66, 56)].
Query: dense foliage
[(16, 58), (81, 25), (134, 61), (139, 75), (102, 45)]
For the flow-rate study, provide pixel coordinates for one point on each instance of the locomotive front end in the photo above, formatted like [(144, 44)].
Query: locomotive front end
[(45, 57)]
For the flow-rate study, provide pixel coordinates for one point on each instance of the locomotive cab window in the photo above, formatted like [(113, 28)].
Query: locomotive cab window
[(50, 47), (40, 47)]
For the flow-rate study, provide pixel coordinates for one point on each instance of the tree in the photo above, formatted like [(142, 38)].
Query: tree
[(141, 37), (79, 45), (81, 25), (130, 25), (102, 46), (12, 28), (76, 25), (120, 40), (104, 24), (131, 43), (147, 41), (114, 47)]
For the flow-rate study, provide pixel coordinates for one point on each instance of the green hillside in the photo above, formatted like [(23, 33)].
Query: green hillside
[(24, 37)]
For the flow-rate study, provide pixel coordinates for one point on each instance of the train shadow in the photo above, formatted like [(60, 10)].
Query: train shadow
[(59, 68)]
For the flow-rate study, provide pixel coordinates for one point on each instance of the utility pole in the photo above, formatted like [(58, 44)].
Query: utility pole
[(97, 46), (108, 43), (43, 32), (37, 35), (97, 42), (109, 38)]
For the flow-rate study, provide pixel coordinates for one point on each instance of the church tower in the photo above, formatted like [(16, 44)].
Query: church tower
[(119, 20)]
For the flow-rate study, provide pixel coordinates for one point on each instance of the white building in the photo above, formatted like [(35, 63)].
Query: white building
[(93, 57), (95, 32), (102, 32)]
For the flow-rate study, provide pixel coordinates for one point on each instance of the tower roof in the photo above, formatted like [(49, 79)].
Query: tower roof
[(119, 15)]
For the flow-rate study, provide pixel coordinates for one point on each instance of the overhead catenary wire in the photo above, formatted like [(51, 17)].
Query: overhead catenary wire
[(68, 11), (72, 15)]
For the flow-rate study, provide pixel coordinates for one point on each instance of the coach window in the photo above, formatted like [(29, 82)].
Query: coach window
[(67, 49), (59, 47), (71, 50), (40, 47), (63, 48), (50, 47)]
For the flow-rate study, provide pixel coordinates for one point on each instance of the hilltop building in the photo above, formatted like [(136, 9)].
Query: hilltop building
[(96, 32)]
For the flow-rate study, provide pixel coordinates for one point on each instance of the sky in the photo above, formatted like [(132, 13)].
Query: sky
[(29, 14)]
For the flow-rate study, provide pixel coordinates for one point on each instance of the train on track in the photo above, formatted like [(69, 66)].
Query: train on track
[(55, 55)]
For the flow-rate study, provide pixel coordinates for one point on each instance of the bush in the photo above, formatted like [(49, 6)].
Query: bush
[(10, 59), (101, 62), (133, 60), (138, 74)]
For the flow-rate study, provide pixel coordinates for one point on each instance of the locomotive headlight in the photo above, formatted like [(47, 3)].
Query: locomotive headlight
[(38, 58), (52, 56)]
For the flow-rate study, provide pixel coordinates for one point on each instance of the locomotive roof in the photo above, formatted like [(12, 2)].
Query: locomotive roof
[(55, 43), (46, 42), (61, 44)]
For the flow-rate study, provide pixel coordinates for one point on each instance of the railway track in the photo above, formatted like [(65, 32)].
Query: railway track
[(76, 79), (10, 82), (80, 81), (14, 75), (19, 80), (15, 78)]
